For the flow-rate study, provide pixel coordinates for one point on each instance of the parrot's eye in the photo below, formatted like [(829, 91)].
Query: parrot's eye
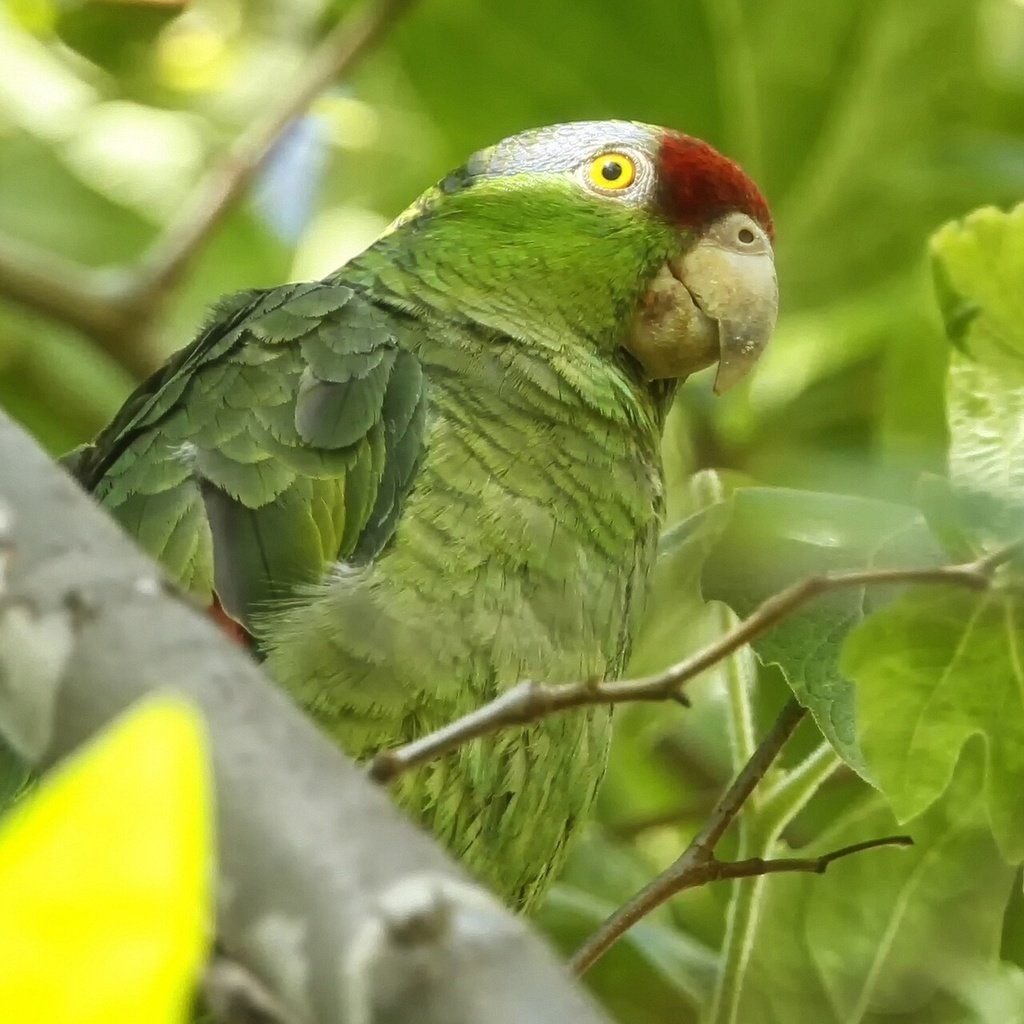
[(612, 171)]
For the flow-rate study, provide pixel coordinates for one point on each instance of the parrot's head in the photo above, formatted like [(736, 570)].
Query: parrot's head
[(636, 237)]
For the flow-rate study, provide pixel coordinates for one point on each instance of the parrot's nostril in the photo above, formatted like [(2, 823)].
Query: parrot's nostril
[(746, 236)]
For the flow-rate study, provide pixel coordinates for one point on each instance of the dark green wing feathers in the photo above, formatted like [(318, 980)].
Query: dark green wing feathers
[(284, 438)]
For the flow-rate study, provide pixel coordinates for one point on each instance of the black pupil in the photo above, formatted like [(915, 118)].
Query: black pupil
[(612, 170)]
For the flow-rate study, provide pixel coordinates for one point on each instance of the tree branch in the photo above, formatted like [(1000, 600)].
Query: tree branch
[(82, 297), (697, 865), (718, 870), (699, 853), (118, 306), (530, 701), (332, 903), (702, 872)]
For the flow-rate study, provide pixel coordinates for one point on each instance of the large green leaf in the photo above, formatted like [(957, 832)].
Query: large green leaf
[(889, 934), (932, 670), (940, 666), (777, 537), (43, 202), (978, 264), (677, 621), (979, 270), (61, 409)]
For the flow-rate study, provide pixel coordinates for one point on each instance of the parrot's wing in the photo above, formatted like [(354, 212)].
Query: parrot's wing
[(282, 440)]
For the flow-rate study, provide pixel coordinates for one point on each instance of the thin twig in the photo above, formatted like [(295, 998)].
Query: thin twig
[(719, 870), (530, 701), (743, 785), (699, 853), (714, 870), (697, 865), (118, 306)]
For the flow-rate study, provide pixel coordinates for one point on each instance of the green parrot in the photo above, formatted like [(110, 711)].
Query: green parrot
[(436, 472)]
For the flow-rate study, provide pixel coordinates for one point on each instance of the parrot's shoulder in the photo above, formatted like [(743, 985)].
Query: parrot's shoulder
[(290, 430), (335, 332)]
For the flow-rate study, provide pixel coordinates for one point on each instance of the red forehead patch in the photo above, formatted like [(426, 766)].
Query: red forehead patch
[(699, 184)]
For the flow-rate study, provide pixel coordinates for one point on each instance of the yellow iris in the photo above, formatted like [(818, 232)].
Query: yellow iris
[(612, 171)]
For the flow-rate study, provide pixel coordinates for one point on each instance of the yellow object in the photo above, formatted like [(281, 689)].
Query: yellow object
[(105, 878), (39, 17), (193, 56), (612, 171)]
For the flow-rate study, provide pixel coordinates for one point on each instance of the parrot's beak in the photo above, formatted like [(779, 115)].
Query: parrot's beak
[(730, 273), (718, 301)]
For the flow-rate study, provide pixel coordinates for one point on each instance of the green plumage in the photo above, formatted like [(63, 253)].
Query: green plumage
[(425, 478)]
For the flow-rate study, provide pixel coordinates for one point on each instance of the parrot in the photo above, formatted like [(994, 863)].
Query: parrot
[(436, 472)]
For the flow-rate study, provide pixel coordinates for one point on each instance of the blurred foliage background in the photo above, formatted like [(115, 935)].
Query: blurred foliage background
[(867, 124)]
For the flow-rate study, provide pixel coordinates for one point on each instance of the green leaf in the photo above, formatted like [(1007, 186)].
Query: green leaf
[(978, 266), (888, 934), (935, 668), (776, 537), (993, 994), (939, 665), (676, 622), (55, 381)]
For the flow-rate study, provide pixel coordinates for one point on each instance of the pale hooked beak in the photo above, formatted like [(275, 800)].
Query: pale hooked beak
[(730, 273), (716, 303)]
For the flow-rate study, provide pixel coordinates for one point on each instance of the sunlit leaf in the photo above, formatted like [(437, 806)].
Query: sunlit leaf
[(979, 266), (889, 934), (105, 878), (940, 666), (934, 669)]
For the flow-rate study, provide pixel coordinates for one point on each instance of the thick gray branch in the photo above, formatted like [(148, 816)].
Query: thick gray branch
[(336, 906)]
